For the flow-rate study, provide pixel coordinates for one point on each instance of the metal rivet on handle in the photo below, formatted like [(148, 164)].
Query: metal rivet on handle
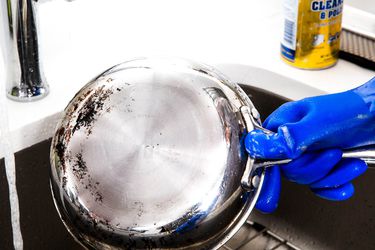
[(255, 113), (255, 181)]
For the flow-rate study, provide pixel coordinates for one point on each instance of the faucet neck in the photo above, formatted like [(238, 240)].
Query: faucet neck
[(24, 75)]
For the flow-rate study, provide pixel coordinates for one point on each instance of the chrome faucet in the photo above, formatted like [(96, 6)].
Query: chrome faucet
[(19, 41)]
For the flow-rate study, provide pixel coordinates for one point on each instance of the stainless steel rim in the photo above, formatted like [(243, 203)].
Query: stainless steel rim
[(90, 202)]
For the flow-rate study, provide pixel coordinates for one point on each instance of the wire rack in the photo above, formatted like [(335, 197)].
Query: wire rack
[(253, 235)]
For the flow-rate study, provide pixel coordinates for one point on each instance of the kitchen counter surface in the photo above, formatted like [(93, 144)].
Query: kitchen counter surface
[(81, 39)]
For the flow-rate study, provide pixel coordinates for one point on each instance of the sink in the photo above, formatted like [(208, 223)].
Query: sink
[(40, 224), (302, 218)]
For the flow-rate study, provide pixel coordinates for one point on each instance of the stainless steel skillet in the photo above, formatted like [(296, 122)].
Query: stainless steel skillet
[(149, 155)]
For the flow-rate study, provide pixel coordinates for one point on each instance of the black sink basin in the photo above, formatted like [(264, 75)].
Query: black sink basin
[(302, 218)]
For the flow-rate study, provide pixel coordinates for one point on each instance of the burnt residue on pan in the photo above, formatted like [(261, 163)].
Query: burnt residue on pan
[(81, 115), (91, 108), (79, 167), (60, 149), (82, 112), (64, 133), (80, 171), (63, 136), (64, 181)]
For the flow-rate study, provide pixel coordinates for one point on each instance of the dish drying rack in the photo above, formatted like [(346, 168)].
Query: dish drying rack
[(253, 235)]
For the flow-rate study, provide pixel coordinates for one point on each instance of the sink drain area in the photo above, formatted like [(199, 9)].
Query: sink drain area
[(253, 235)]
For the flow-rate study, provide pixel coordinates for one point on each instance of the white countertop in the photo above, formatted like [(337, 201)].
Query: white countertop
[(81, 39)]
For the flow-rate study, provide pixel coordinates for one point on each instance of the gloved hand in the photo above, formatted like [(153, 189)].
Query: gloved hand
[(313, 131)]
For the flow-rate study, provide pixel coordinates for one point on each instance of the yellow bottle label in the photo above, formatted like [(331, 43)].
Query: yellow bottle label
[(312, 29)]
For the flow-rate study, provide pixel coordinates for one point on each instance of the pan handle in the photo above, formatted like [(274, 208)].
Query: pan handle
[(366, 154), (248, 181)]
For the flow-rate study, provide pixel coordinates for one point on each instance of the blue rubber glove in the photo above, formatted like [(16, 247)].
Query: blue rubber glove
[(313, 131)]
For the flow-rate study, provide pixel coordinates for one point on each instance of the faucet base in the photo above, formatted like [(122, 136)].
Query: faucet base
[(28, 94)]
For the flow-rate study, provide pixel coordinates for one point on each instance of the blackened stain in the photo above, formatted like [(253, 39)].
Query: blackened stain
[(185, 223), (91, 109), (64, 181), (108, 225), (79, 167), (139, 207), (92, 186), (74, 103), (98, 196), (81, 172), (61, 147)]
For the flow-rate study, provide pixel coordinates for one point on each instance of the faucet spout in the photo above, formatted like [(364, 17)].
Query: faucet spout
[(24, 74)]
